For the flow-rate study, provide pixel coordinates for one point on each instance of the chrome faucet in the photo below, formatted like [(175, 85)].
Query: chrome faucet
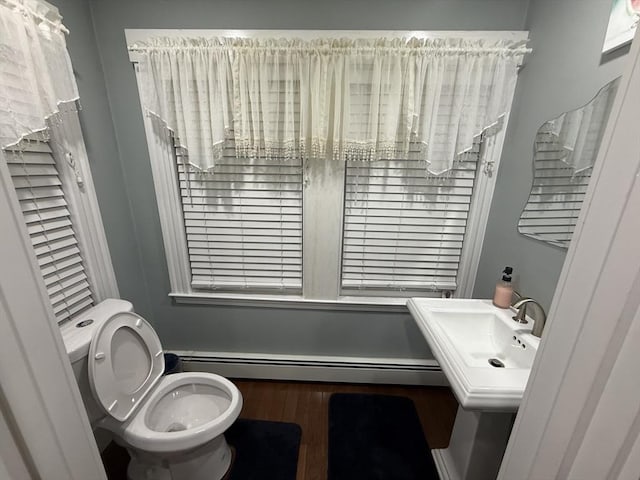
[(521, 316)]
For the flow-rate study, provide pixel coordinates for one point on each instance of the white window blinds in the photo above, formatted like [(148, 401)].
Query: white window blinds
[(49, 224), (243, 223), (403, 230)]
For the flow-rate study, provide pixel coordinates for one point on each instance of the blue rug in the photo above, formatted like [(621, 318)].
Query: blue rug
[(377, 437), (264, 450)]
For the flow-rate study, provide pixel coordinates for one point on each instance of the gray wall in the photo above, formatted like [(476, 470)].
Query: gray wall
[(564, 72), (124, 182)]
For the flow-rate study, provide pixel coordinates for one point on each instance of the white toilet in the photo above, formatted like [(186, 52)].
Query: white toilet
[(171, 425)]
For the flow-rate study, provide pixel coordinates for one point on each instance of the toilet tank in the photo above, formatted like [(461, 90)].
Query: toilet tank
[(77, 336)]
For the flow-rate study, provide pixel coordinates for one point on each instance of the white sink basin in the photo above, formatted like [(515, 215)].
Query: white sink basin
[(464, 335)]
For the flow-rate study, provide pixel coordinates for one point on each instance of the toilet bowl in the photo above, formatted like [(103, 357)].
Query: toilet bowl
[(185, 410), (173, 426)]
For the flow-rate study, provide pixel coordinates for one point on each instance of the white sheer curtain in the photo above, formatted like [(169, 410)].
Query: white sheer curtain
[(35, 69), (352, 99)]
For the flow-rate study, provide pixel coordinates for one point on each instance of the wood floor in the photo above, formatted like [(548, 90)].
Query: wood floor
[(307, 404)]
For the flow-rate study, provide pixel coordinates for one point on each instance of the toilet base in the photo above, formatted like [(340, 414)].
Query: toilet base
[(211, 461)]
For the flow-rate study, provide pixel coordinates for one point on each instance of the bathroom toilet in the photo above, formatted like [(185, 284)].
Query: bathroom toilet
[(173, 426)]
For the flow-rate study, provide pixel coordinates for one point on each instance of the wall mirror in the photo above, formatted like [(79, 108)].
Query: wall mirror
[(564, 151)]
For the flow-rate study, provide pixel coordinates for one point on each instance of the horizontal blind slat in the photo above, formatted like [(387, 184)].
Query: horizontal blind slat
[(40, 192), (29, 158), (42, 181), (240, 259), (210, 240), (29, 170), (42, 204), (239, 283)]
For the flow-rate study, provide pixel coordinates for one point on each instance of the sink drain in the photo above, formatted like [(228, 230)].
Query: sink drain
[(494, 362)]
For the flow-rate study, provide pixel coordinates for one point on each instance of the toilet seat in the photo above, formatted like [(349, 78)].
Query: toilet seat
[(125, 362)]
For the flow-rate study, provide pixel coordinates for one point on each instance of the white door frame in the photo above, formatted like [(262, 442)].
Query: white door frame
[(580, 416), (39, 396)]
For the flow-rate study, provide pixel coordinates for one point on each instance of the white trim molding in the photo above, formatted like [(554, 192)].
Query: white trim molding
[(315, 368), (14, 463), (75, 173), (165, 181), (579, 417), (480, 207), (358, 304)]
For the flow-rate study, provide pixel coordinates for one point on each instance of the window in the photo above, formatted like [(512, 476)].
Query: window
[(55, 194), (48, 220), (46, 214), (326, 229), (243, 224), (403, 231)]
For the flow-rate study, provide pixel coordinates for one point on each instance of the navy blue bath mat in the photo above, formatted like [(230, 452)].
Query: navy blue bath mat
[(377, 437), (263, 450)]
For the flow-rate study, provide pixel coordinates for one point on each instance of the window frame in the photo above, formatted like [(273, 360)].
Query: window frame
[(66, 139), (322, 265)]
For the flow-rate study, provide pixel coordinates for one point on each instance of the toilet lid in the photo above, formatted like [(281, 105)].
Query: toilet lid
[(125, 362)]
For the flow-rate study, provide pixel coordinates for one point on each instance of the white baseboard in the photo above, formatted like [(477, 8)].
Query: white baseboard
[(313, 368)]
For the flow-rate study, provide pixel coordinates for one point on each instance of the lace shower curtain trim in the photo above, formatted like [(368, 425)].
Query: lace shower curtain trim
[(363, 100)]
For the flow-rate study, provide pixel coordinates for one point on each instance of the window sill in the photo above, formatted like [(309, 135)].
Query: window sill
[(350, 303)]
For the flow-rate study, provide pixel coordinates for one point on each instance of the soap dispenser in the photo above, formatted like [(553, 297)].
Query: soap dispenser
[(504, 290)]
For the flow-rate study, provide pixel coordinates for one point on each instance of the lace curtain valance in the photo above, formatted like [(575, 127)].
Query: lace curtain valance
[(349, 99), (36, 74)]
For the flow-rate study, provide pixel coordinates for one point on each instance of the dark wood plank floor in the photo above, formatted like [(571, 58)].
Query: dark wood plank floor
[(307, 404)]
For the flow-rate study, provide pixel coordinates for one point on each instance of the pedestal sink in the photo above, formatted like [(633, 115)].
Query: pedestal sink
[(487, 357)]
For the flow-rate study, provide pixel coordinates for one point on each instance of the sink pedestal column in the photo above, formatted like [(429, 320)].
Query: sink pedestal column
[(477, 446)]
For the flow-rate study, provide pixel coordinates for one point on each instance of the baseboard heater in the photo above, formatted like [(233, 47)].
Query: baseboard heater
[(316, 368)]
